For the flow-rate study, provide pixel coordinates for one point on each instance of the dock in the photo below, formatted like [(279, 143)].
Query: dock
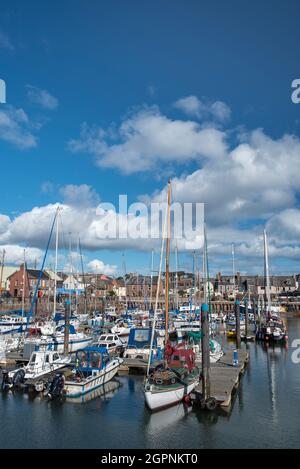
[(13, 358), (224, 378), (135, 365)]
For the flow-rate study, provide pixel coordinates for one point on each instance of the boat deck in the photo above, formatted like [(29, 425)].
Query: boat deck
[(224, 378)]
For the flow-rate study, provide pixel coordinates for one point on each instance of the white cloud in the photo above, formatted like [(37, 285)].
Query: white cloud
[(257, 179), (14, 254), (98, 267), (194, 107), (16, 128), (146, 139), (5, 42), (80, 196), (42, 98)]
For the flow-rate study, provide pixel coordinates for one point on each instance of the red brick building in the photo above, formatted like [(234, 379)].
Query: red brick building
[(30, 282)]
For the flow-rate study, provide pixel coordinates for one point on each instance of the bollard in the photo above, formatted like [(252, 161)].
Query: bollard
[(235, 360)]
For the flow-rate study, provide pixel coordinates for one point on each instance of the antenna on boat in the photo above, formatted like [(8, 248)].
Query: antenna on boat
[(2, 267)]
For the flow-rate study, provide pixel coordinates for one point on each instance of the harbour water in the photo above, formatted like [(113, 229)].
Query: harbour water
[(265, 413)]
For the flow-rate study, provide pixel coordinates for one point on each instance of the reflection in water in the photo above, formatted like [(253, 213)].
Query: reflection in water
[(162, 426), (264, 412), (276, 354), (105, 392)]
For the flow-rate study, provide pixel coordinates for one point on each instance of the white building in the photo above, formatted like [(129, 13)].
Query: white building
[(5, 272), (72, 283)]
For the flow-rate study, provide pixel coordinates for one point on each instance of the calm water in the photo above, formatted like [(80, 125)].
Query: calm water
[(265, 413)]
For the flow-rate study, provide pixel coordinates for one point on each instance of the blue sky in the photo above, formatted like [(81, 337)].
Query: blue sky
[(105, 63)]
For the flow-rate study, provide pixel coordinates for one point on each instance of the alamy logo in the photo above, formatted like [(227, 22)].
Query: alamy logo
[(296, 93), (2, 92), (296, 353)]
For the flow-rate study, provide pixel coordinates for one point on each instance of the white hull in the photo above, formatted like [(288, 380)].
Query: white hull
[(160, 399), (76, 389), (122, 331), (58, 345), (45, 370)]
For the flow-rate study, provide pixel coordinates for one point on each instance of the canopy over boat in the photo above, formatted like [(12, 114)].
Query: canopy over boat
[(91, 358), (141, 338)]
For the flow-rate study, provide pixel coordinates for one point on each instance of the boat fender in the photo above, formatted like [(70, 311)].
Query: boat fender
[(211, 403), (18, 377)]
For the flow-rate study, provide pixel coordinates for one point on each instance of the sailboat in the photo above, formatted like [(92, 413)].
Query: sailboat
[(170, 382), (272, 328)]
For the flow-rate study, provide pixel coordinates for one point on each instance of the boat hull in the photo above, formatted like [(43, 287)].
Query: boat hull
[(76, 389), (162, 399)]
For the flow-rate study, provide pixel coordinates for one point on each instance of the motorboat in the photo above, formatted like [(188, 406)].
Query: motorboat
[(93, 368)]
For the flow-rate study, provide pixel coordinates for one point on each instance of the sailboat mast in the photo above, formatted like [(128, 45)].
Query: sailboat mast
[(151, 278), (23, 286), (233, 269), (267, 277), (55, 265), (168, 261), (176, 278), (2, 267)]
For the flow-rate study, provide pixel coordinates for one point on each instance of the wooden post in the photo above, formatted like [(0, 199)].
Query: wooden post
[(237, 324), (67, 326), (205, 351)]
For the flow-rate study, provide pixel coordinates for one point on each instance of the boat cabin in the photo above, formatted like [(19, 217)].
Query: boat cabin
[(91, 359), (140, 338), (182, 358)]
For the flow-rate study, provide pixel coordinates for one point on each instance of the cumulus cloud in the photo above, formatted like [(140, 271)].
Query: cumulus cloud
[(99, 267), (16, 128), (255, 180), (14, 254), (41, 98), (146, 139), (194, 107), (80, 196)]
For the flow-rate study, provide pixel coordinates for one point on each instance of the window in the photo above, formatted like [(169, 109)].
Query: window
[(33, 358)]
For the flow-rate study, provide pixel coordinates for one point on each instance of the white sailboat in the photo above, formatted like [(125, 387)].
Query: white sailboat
[(170, 383)]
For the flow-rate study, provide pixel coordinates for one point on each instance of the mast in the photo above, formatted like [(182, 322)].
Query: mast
[(151, 278), (23, 287), (157, 290), (176, 278), (168, 262), (55, 265), (266, 274), (125, 282), (2, 267), (233, 269), (83, 277)]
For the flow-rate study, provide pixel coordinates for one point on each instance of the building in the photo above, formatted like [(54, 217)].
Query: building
[(5, 273), (31, 277)]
